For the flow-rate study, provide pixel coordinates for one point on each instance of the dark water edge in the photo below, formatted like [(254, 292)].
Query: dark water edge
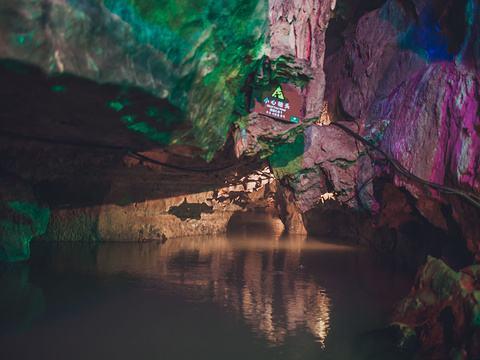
[(198, 298)]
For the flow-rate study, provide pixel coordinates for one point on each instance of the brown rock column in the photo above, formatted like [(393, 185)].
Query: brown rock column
[(297, 28)]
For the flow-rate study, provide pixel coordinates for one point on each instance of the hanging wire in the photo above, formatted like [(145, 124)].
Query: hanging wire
[(470, 197), (131, 152)]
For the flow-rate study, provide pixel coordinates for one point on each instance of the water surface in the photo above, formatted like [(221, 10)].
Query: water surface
[(196, 298)]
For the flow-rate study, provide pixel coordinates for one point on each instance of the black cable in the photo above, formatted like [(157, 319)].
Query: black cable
[(130, 151), (471, 198), (359, 189), (177, 167)]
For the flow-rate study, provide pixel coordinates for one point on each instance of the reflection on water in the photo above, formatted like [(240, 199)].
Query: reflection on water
[(276, 297), (281, 289), (20, 301), (260, 279)]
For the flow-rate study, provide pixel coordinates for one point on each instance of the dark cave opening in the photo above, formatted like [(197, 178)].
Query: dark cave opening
[(254, 223), (438, 32), (439, 28), (451, 17), (346, 15), (411, 236)]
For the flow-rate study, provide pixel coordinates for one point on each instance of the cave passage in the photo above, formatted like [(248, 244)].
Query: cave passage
[(239, 179)]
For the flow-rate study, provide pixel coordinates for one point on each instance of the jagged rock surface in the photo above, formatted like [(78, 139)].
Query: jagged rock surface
[(443, 311), (196, 61), (406, 78)]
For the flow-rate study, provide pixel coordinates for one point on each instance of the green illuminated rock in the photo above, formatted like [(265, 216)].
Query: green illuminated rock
[(287, 158), (196, 55), (21, 219), (16, 231)]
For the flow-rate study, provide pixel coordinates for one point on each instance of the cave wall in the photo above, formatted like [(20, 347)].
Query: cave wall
[(81, 193), (408, 78), (195, 56), (404, 76), (112, 109), (401, 74), (104, 97), (107, 83)]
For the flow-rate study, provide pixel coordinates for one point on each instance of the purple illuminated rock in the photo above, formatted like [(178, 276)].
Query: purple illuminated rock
[(417, 98)]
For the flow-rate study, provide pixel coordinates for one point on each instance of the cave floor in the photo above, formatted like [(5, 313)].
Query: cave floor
[(216, 297)]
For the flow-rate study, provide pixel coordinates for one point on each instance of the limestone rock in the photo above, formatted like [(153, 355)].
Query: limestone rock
[(443, 310), (196, 61), (408, 77)]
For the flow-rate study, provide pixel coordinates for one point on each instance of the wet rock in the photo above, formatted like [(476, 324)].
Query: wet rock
[(22, 218), (298, 29), (442, 309), (291, 216), (441, 126), (297, 33), (336, 156), (396, 209)]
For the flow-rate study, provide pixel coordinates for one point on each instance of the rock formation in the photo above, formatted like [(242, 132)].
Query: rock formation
[(442, 311), (125, 121), (412, 88)]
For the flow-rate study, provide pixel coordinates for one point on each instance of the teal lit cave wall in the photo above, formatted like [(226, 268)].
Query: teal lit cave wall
[(195, 55), (197, 59), (217, 42), (20, 223), (287, 158)]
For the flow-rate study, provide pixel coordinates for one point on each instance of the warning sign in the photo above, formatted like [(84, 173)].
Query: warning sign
[(284, 102), (278, 93)]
